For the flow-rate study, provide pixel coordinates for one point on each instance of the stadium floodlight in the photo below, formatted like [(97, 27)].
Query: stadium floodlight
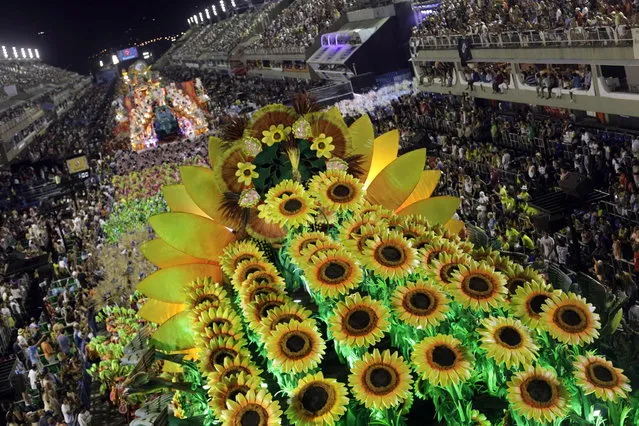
[(101, 64), (233, 3), (15, 52), (222, 6), (30, 53), (214, 10), (208, 15), (201, 17), (37, 54), (115, 59), (4, 52), (195, 17), (24, 53)]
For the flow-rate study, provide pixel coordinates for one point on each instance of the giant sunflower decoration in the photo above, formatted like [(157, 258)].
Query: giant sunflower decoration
[(507, 341), (380, 380), (359, 321), (310, 245), (538, 395), (596, 375), (295, 347), (317, 401), (442, 360), (570, 319)]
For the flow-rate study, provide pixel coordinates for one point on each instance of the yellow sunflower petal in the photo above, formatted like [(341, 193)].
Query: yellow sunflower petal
[(158, 312), (362, 139), (385, 149), (168, 284), (397, 180), (162, 255), (424, 189), (179, 201), (201, 187), (437, 210), (191, 234)]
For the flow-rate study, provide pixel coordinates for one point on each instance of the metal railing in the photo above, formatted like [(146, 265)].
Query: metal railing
[(582, 36), (291, 50)]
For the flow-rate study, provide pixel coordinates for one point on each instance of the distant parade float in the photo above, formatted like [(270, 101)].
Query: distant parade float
[(154, 112), (310, 277)]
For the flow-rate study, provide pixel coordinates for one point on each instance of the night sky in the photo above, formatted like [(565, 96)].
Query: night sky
[(74, 30)]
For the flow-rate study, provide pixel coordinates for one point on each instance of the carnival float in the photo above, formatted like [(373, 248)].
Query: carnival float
[(311, 277)]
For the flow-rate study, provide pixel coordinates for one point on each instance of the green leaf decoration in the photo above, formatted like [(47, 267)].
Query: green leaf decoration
[(175, 334)]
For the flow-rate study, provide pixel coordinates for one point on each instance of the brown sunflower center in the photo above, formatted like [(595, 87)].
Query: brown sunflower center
[(267, 306), (360, 321), (291, 206), (285, 319), (389, 255), (433, 255), (444, 356), (514, 283), (218, 322), (253, 415), (420, 243), (570, 319), (601, 375), (239, 390), (317, 398), (334, 271), (321, 145), (363, 240), (536, 302), (538, 392), (341, 192), (234, 371), (296, 345), (510, 337), (218, 356), (381, 379), (207, 298), (277, 136), (263, 291), (419, 302), (478, 287), (447, 271), (247, 172), (307, 243), (241, 258)]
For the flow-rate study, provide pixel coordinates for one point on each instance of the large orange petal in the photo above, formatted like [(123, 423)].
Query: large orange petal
[(385, 149), (201, 186), (427, 183), (163, 255), (455, 226), (175, 334), (179, 201), (158, 312), (437, 210), (362, 138), (396, 182), (192, 234), (167, 285)]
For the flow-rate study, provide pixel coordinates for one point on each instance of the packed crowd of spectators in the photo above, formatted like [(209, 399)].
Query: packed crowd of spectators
[(15, 114), (297, 26), (82, 128), (27, 75), (497, 179), (223, 36), (455, 17)]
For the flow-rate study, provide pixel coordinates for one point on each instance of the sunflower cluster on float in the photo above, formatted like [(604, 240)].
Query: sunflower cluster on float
[(317, 282)]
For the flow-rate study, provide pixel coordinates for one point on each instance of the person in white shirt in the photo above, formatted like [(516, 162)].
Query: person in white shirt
[(635, 146), (547, 245), (67, 412), (33, 378), (84, 418)]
